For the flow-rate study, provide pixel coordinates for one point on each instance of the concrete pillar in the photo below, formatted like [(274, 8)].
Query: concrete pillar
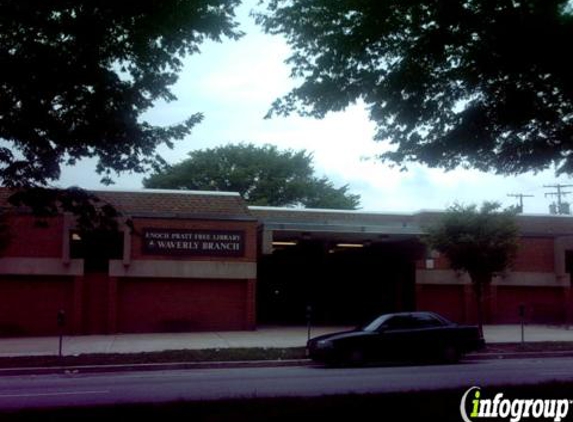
[(266, 242)]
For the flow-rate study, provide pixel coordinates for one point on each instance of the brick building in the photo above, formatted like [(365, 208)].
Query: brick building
[(206, 261), (190, 264)]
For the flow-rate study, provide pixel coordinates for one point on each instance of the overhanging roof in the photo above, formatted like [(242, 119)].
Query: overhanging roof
[(287, 223), (292, 220)]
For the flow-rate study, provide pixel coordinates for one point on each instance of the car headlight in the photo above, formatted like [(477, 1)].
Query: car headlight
[(324, 344)]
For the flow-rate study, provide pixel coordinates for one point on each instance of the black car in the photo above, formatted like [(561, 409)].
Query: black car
[(401, 336)]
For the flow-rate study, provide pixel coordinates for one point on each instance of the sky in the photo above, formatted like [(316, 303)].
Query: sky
[(234, 83)]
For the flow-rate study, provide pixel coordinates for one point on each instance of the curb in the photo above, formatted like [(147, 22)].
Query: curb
[(92, 369), (518, 355)]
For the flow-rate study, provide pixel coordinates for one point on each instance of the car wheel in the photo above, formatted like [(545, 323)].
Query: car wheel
[(450, 354)]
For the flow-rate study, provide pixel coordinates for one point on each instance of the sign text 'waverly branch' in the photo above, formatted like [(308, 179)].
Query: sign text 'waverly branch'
[(193, 242)]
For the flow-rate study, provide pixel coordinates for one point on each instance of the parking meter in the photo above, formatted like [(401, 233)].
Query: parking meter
[(61, 318), (308, 320), (308, 312), (522, 320)]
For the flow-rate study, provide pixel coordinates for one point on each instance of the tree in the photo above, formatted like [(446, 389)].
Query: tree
[(77, 77), (471, 83), (482, 242), (262, 175)]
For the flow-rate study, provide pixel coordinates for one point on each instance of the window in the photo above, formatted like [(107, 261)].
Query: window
[(426, 321), (96, 249), (411, 322), (399, 322)]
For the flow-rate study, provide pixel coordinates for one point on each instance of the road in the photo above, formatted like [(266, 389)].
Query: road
[(18, 392)]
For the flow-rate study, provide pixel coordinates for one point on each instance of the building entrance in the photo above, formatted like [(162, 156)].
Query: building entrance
[(343, 283)]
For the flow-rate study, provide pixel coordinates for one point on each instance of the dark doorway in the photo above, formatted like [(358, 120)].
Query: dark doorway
[(343, 285)]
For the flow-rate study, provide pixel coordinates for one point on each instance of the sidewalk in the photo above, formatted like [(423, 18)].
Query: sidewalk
[(264, 337)]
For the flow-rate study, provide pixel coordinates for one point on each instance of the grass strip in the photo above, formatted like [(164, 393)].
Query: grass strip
[(168, 356)]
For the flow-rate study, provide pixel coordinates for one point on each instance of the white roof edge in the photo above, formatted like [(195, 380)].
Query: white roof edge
[(429, 210), (327, 210), (526, 214), (169, 191), (398, 213)]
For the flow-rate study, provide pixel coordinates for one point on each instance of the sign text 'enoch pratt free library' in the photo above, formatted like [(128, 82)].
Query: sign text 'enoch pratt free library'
[(193, 242)]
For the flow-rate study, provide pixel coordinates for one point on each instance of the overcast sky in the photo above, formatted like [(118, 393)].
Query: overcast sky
[(234, 83)]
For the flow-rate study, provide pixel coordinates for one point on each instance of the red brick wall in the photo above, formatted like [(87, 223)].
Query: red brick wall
[(536, 254), (29, 240), (542, 304), (29, 305), (95, 292), (250, 229), (446, 300), (440, 263), (501, 303), (153, 305)]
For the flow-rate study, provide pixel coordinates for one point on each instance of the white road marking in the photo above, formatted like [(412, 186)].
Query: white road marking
[(557, 372), (61, 393)]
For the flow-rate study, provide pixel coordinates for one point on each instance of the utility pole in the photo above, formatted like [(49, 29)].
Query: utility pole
[(520, 196), (561, 207)]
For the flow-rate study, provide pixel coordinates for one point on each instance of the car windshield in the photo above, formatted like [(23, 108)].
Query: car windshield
[(416, 321), (374, 325)]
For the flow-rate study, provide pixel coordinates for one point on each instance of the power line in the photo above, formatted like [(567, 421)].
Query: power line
[(520, 196), (561, 207)]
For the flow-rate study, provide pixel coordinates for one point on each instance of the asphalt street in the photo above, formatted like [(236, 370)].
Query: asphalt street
[(72, 389)]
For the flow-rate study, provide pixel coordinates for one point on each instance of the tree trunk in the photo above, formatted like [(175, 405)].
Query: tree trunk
[(480, 281)]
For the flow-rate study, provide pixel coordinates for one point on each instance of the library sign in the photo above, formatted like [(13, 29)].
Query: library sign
[(193, 242)]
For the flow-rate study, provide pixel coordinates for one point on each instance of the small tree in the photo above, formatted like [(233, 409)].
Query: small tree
[(481, 242)]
